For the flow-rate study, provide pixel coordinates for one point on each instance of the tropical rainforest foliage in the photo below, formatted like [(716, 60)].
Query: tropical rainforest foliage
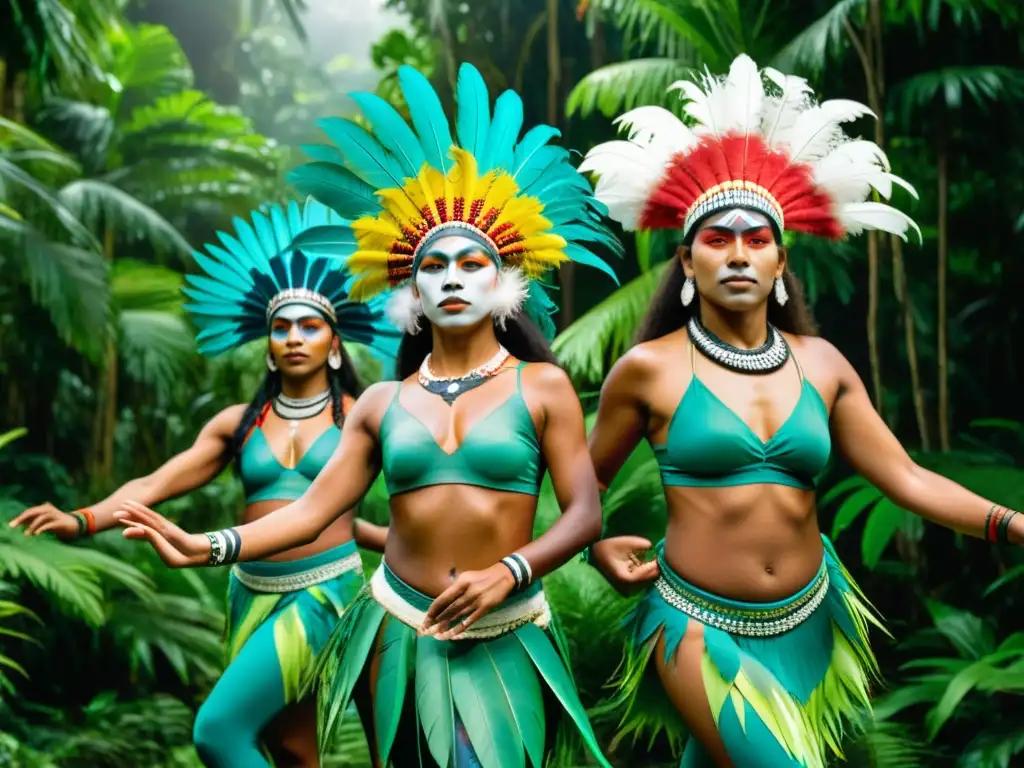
[(130, 130)]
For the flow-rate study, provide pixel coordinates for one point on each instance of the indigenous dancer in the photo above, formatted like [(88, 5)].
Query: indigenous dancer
[(757, 633), (280, 611), (451, 653)]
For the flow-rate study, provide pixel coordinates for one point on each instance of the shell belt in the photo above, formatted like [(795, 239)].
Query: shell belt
[(293, 582), (499, 621)]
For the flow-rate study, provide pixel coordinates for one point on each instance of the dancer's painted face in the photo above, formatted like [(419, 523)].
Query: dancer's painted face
[(455, 280), (734, 259), (300, 339)]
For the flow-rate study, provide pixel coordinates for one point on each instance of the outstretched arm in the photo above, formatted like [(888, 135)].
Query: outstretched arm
[(621, 423), (872, 450), (189, 470), (339, 487)]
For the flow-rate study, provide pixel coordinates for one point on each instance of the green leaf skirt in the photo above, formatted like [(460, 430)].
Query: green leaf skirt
[(502, 699), (782, 678), (315, 592)]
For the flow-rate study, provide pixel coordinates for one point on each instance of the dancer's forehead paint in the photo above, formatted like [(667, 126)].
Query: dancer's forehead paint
[(738, 220)]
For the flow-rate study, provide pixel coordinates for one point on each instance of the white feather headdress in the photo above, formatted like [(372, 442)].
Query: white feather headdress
[(775, 150)]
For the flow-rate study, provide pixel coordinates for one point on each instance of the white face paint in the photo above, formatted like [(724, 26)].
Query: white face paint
[(455, 279)]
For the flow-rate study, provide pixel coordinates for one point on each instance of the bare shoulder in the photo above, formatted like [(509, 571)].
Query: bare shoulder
[(226, 423), (824, 365), (545, 377), (375, 399)]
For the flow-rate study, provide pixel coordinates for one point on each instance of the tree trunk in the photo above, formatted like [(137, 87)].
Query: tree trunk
[(943, 234), (106, 421), (566, 273), (906, 302)]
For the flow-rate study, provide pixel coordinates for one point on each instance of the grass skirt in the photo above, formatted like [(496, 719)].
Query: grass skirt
[(783, 676), (314, 594), (500, 696)]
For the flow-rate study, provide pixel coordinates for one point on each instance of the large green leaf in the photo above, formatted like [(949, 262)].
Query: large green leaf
[(614, 88), (811, 47), (593, 342), (98, 204)]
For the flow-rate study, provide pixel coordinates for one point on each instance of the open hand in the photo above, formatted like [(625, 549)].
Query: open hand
[(620, 559), (175, 547), (47, 517), (471, 595)]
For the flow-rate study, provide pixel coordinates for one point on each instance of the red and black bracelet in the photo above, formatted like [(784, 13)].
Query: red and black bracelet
[(997, 524)]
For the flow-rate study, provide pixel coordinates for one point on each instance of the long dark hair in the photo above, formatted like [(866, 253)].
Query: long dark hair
[(341, 382), (667, 313), (521, 337)]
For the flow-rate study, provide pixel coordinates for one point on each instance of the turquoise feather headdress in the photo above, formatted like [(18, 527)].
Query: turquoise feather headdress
[(257, 271), (402, 185)]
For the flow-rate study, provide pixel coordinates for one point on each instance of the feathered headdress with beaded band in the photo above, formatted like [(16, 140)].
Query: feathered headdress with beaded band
[(254, 271), (773, 149), (404, 185)]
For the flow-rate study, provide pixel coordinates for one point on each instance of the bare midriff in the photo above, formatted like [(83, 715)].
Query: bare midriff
[(440, 531), (754, 543), (337, 533)]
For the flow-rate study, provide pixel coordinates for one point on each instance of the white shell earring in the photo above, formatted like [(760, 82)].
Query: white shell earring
[(334, 359), (689, 290), (271, 365), (781, 294)]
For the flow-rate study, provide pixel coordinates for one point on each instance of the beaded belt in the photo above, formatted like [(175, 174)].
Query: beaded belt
[(747, 619), (410, 607), (292, 582)]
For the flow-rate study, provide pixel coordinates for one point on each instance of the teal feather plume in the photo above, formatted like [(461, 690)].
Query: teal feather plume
[(428, 117), (581, 255), (364, 155), (336, 187), (540, 308), (541, 162), (505, 128), (474, 110), (324, 153), (534, 140), (392, 131), (282, 233), (230, 297)]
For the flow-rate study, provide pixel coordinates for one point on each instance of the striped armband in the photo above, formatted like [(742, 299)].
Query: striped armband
[(521, 570), (86, 521), (225, 546)]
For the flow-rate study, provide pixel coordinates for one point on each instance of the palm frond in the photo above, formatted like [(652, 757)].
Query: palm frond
[(886, 745), (15, 174), (184, 631), (155, 340), (149, 62), (81, 127), (589, 346), (810, 48), (96, 203), (614, 88), (70, 283), (54, 568), (671, 28), (11, 435), (950, 85)]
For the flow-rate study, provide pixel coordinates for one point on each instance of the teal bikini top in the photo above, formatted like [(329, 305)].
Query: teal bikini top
[(709, 446), (500, 451), (264, 477)]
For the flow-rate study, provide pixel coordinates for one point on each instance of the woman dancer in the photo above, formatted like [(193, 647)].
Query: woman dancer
[(280, 611), (451, 653), (756, 632)]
